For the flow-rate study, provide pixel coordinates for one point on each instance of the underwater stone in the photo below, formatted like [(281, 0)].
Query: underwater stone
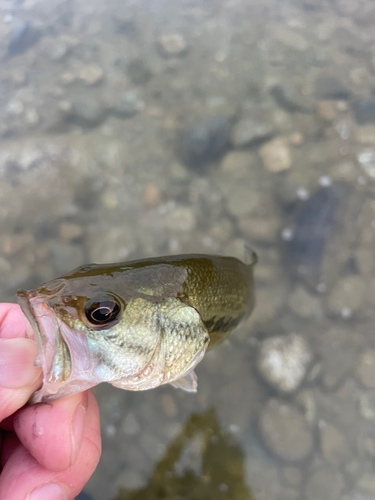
[(283, 361), (285, 432), (206, 143)]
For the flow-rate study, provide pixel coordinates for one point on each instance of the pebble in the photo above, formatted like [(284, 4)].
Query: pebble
[(331, 88), (366, 134), (138, 72), (296, 139), (292, 475), (367, 482), (205, 143), (265, 229), (332, 444), (242, 200), (68, 77), (169, 406), (304, 304), (364, 111), (70, 231), (172, 45), (127, 106), (348, 293), (366, 158), (249, 130), (32, 116), (91, 74), (314, 223), (23, 36), (326, 110), (325, 484), (285, 432), (365, 368), (290, 100), (237, 164), (181, 219), (151, 196), (276, 155), (283, 361), (86, 112)]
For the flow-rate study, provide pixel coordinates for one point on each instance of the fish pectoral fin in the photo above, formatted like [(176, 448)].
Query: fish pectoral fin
[(188, 382)]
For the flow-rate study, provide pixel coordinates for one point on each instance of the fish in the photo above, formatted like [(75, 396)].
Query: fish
[(137, 324)]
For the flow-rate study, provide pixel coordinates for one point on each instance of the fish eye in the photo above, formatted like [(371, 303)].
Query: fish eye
[(102, 310)]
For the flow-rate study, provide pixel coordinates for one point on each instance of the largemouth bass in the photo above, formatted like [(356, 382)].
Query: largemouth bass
[(136, 324)]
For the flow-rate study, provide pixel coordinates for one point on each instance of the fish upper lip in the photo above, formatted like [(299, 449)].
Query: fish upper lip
[(50, 345)]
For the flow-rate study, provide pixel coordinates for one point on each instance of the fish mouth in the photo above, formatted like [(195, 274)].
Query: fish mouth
[(64, 353), (54, 354)]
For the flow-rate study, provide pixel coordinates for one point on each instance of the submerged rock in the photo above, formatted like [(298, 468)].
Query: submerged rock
[(23, 36), (172, 45), (285, 432), (291, 100), (364, 111), (314, 224), (86, 113), (138, 72), (250, 130), (276, 155), (283, 361), (206, 143), (329, 87)]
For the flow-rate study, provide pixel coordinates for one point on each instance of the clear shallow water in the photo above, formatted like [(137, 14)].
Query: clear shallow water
[(148, 128)]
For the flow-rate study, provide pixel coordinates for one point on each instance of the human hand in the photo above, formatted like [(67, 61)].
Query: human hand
[(48, 451)]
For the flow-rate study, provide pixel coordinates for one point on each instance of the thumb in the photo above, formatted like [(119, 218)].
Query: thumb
[(19, 378)]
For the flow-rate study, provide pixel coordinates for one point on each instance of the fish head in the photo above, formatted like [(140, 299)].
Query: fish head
[(88, 334)]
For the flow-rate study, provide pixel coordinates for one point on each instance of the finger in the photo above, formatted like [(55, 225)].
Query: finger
[(36, 428), (13, 323), (23, 475), (19, 378)]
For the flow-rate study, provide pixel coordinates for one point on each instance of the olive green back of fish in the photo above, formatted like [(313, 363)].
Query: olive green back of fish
[(221, 289)]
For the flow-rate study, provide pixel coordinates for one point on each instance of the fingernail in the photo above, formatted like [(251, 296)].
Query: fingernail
[(50, 491), (76, 432), (17, 358)]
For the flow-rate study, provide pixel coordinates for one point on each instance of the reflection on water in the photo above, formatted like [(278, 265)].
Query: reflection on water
[(150, 127), (202, 462)]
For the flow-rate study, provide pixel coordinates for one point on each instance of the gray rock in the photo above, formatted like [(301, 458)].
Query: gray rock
[(325, 484), (367, 483), (291, 100), (283, 361), (138, 72), (285, 432), (304, 304), (86, 113), (172, 45), (127, 106), (206, 143), (364, 111), (23, 36), (242, 200), (365, 368), (250, 130), (264, 229), (276, 155), (91, 74), (347, 296), (332, 444), (329, 87), (314, 224), (238, 164)]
